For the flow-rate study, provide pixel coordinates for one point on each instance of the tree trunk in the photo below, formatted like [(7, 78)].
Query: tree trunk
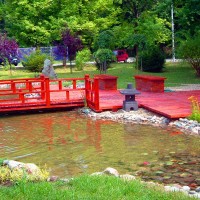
[(70, 66), (136, 56), (64, 61), (198, 72), (10, 68)]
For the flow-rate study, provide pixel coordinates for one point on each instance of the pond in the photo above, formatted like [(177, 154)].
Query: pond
[(70, 144)]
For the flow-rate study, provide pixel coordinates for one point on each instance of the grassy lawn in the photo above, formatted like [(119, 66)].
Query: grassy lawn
[(176, 73), (88, 187)]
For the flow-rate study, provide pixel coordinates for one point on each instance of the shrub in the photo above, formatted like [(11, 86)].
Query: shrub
[(35, 61), (103, 58), (82, 57), (152, 60), (195, 108), (190, 50)]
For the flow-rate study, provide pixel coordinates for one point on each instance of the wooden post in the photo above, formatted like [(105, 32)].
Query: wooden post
[(60, 84), (67, 95), (27, 84), (47, 91), (42, 86), (21, 96), (87, 76), (96, 93), (74, 84), (30, 86), (13, 88)]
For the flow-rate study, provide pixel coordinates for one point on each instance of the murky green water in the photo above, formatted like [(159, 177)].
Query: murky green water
[(70, 144)]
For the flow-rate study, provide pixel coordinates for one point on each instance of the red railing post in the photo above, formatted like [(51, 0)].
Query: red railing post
[(13, 86), (67, 95), (47, 83), (27, 84), (42, 86), (87, 76), (30, 88), (96, 93), (60, 84), (74, 84), (21, 96)]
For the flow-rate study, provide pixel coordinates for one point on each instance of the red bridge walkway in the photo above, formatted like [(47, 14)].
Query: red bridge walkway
[(99, 93)]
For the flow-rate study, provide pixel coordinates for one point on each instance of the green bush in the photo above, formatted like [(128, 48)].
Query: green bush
[(103, 58), (82, 57), (35, 61), (152, 60)]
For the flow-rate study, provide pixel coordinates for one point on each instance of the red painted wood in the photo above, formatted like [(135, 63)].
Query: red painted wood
[(107, 82), (52, 94), (149, 83), (169, 104)]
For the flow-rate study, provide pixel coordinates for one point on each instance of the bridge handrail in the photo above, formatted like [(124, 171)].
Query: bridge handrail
[(92, 92)]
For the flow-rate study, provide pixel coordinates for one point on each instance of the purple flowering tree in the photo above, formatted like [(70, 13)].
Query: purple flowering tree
[(8, 49), (68, 46)]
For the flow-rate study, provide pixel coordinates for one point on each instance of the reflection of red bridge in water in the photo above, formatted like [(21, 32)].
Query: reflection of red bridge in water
[(100, 94)]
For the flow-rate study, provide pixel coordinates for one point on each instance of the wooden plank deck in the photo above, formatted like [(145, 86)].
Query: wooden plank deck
[(169, 104)]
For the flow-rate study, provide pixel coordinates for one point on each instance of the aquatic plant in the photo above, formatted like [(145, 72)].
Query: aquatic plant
[(195, 108)]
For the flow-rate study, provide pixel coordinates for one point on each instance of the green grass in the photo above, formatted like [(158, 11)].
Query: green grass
[(88, 188), (176, 73)]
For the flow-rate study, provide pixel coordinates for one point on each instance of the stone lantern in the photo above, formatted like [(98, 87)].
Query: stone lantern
[(129, 103)]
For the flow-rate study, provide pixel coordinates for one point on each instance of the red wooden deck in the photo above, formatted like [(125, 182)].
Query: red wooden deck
[(169, 104), (53, 94)]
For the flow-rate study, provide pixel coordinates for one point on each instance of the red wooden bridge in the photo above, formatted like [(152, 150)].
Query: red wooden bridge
[(100, 93)]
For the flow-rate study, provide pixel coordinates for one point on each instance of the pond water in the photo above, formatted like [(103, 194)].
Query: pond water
[(71, 144)]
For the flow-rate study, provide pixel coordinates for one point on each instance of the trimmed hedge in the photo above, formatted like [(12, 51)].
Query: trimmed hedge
[(152, 60)]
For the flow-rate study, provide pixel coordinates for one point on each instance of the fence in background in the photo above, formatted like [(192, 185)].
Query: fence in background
[(50, 51)]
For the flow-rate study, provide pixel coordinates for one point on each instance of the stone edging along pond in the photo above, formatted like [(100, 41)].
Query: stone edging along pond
[(33, 172), (142, 116)]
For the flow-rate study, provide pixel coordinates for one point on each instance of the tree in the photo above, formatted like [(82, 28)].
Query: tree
[(68, 46), (103, 57), (187, 17), (156, 30), (82, 57), (8, 49), (105, 40), (28, 21), (37, 23), (190, 50)]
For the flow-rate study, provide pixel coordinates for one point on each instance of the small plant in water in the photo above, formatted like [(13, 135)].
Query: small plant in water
[(195, 108)]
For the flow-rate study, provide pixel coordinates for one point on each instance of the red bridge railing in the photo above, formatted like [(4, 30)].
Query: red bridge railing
[(42, 92), (92, 92), (35, 92)]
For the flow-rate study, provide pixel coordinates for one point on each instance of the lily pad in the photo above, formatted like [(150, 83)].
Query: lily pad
[(159, 172), (145, 154), (166, 177), (169, 163)]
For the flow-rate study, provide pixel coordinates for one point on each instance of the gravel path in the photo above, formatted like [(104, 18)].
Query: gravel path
[(184, 87)]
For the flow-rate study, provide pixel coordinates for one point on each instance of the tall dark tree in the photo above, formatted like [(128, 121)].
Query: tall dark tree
[(187, 13), (68, 46), (131, 12)]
